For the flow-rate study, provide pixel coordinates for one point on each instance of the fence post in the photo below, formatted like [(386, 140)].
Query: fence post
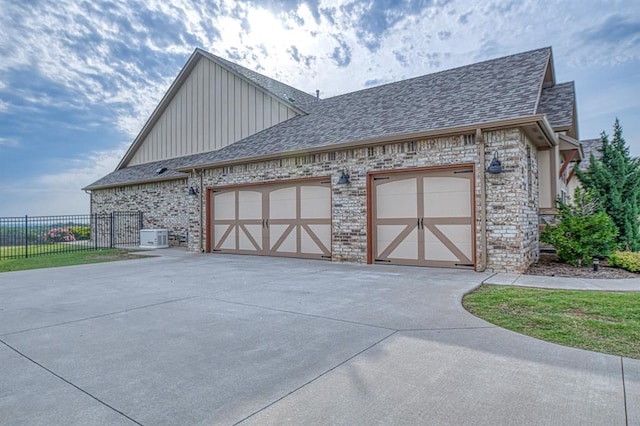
[(94, 218), (111, 230), (26, 236)]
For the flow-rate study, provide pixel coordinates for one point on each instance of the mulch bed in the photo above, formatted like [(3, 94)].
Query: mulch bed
[(549, 265)]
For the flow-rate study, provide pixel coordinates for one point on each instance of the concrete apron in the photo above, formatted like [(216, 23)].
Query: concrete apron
[(214, 339)]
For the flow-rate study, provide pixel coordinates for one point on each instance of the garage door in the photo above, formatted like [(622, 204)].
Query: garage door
[(291, 219), (423, 218)]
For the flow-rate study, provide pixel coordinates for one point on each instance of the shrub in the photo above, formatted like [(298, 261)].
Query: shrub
[(59, 235), (626, 260), (80, 232), (582, 233)]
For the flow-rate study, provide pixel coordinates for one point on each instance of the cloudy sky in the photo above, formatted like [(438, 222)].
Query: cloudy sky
[(78, 79)]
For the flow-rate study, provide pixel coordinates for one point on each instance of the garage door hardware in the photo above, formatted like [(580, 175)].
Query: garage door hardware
[(463, 171), (381, 178), (383, 260)]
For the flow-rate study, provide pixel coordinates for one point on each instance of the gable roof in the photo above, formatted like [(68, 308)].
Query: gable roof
[(501, 89), (557, 102), (286, 94)]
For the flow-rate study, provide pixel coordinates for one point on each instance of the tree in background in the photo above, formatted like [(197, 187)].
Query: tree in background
[(614, 180)]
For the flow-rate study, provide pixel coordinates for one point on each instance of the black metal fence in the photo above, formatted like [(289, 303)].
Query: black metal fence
[(40, 235)]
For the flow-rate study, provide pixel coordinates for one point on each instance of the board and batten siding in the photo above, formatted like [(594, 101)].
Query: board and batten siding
[(213, 108)]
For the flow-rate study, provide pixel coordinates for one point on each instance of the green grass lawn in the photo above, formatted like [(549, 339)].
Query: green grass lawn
[(33, 249), (607, 322), (64, 259)]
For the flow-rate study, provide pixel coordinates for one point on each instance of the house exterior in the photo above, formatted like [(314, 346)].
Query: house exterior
[(232, 161)]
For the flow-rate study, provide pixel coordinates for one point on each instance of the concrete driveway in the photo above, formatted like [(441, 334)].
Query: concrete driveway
[(215, 339)]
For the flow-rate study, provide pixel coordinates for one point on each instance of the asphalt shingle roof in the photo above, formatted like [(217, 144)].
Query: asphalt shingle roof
[(493, 90), (557, 102), (590, 146)]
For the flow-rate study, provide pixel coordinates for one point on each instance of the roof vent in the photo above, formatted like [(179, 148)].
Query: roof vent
[(284, 95), (161, 170)]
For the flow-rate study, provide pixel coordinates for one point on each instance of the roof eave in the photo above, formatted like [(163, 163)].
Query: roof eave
[(131, 183), (539, 119)]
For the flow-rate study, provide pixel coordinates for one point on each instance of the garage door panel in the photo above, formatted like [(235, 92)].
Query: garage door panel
[(282, 203), (446, 197), (400, 241), (282, 238), (315, 202), (224, 206), (435, 249), (224, 237), (460, 236), (250, 237), (249, 205), (397, 199), (316, 239)]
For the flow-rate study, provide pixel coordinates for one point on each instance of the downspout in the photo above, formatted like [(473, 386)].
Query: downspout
[(200, 244), (483, 202)]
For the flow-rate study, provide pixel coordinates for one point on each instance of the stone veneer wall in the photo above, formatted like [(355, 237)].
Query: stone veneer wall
[(165, 205), (512, 201)]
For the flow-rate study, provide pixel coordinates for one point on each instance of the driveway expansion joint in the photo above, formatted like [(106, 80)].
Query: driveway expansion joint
[(624, 393), (302, 314), (316, 378), (69, 382), (98, 316)]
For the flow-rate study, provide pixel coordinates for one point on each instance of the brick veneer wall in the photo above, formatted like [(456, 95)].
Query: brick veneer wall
[(165, 205), (512, 197)]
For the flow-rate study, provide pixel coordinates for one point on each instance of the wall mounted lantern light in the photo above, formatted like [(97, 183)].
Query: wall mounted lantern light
[(495, 167), (193, 190), (344, 178)]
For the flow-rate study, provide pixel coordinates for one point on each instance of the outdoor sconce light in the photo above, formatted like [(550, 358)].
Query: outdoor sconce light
[(193, 190), (495, 167), (344, 179)]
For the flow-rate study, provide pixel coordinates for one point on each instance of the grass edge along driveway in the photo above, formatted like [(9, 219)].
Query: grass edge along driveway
[(64, 259), (601, 321)]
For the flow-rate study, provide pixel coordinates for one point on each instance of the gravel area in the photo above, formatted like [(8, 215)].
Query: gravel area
[(549, 265)]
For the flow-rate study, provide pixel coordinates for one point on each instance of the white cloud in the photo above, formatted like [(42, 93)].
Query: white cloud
[(9, 142)]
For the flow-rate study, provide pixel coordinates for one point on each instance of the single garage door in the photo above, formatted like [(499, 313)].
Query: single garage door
[(292, 219), (423, 218)]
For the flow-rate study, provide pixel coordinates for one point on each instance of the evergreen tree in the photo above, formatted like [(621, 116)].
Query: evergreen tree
[(615, 181)]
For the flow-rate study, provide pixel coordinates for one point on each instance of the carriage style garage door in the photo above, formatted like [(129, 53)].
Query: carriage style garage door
[(423, 218), (292, 219)]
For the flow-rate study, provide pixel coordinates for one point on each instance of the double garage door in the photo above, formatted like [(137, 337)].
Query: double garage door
[(422, 218), (292, 219)]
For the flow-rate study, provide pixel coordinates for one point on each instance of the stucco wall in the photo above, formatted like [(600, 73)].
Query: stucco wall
[(512, 199)]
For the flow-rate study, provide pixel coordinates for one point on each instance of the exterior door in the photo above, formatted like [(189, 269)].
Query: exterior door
[(424, 218), (289, 219)]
